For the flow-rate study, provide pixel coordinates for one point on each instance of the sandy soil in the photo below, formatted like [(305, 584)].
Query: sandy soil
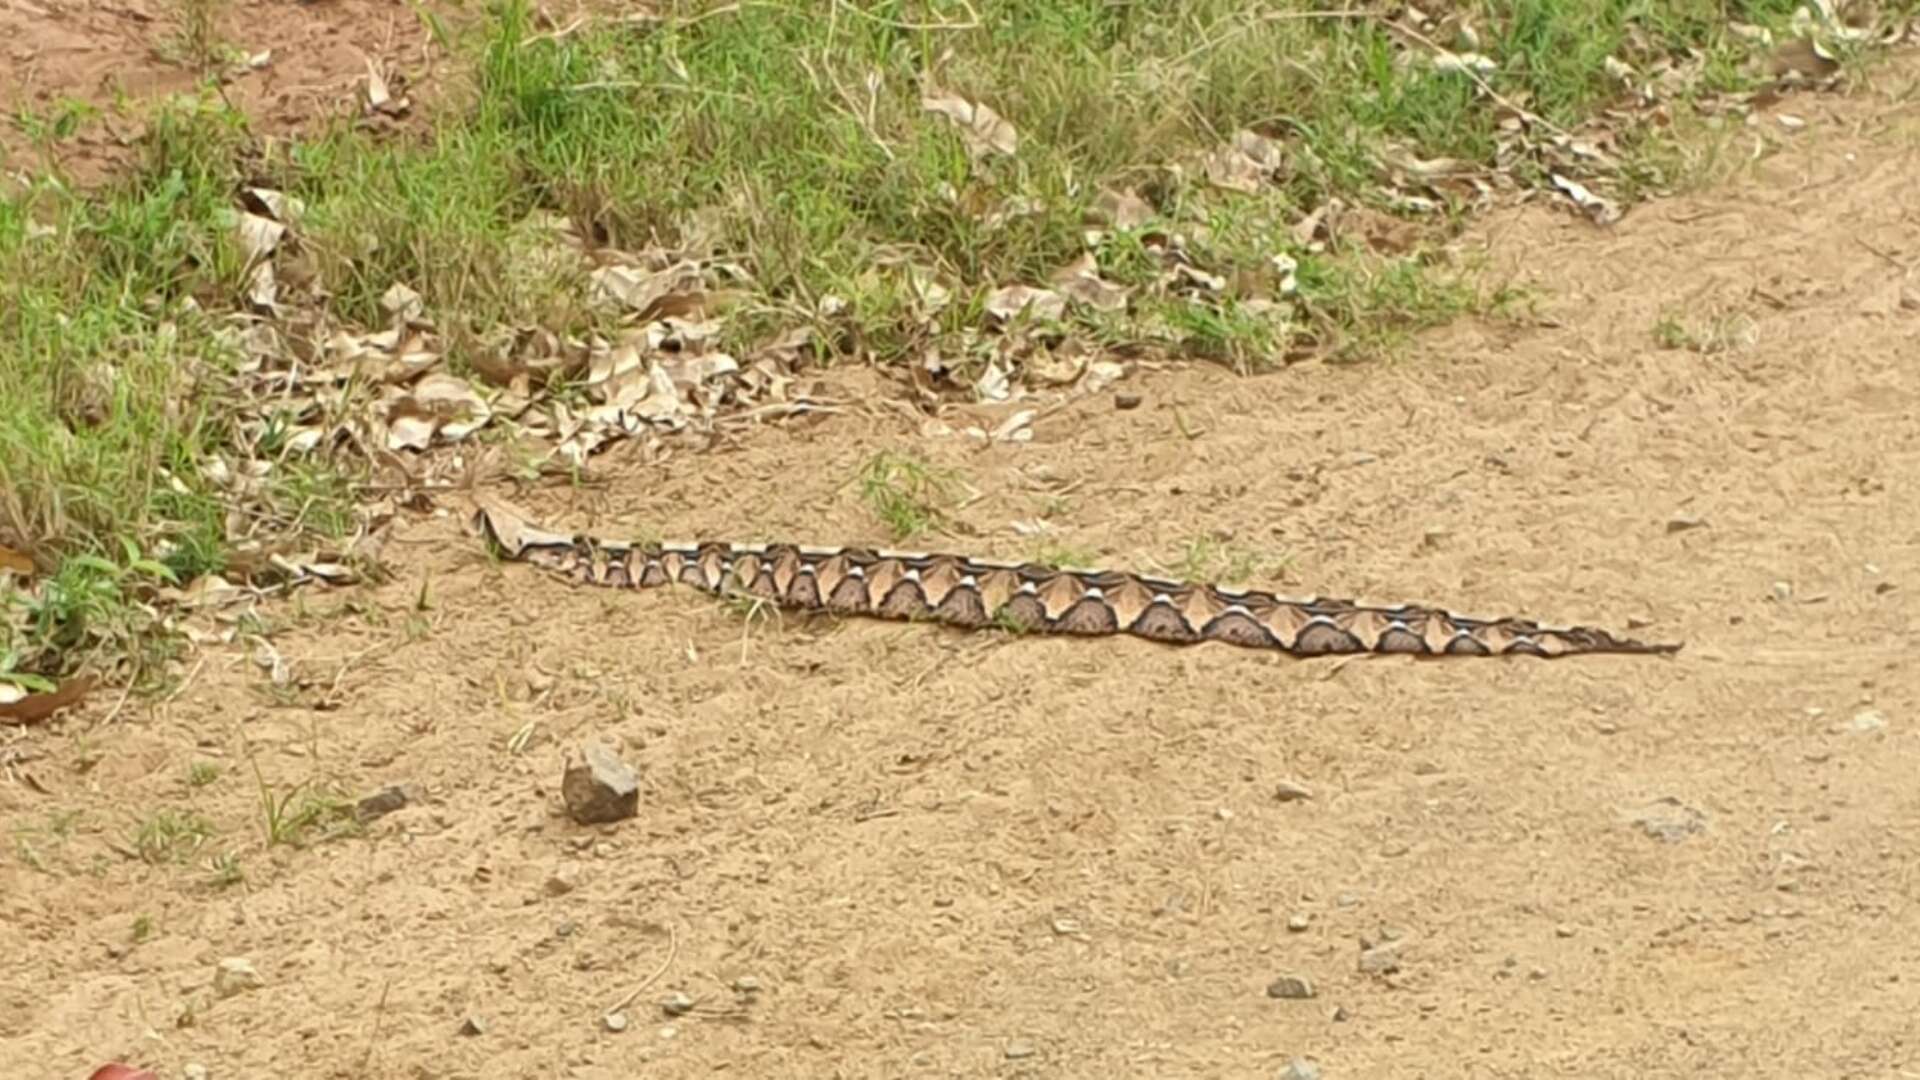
[(298, 65), (952, 854)]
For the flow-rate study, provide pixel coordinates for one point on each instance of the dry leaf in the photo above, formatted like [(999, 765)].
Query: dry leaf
[(985, 131), (1122, 209), (1005, 304), (15, 562), (1245, 163), (1601, 210), (35, 708), (258, 235), (1081, 281)]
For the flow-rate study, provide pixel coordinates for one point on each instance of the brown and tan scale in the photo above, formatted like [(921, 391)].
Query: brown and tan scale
[(967, 592)]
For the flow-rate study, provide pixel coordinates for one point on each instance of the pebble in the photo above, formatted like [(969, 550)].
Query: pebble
[(235, 975), (676, 1004), (1563, 930), (1290, 988), (473, 1025), (386, 801), (1298, 921), (1018, 1050), (1668, 819), (559, 884), (193, 1070), (746, 984), (616, 1021), (1683, 522), (1341, 1015), (1537, 974), (1066, 927), (1124, 402), (1291, 791), (1380, 960), (1300, 1069), (601, 788), (1868, 720)]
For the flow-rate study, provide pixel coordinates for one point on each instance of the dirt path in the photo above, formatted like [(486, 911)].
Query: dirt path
[(959, 854)]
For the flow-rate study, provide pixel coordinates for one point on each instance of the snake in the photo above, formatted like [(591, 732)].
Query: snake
[(1027, 597)]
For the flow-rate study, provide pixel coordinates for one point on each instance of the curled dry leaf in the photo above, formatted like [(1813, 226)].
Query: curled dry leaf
[(36, 708), (1081, 281), (652, 294), (258, 236), (1603, 211), (985, 131), (1008, 303), (1122, 209), (1245, 163), (439, 405)]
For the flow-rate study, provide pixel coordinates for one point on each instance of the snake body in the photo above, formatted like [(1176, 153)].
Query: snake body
[(973, 593)]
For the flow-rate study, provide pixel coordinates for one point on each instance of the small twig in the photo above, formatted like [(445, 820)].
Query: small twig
[(118, 705), (673, 949)]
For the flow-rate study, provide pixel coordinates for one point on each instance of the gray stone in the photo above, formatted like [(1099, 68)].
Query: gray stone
[(601, 788), (1380, 960), (235, 975), (616, 1021), (1298, 921), (193, 1070), (473, 1025), (1290, 988), (386, 801), (1291, 791), (677, 1004), (1017, 1050)]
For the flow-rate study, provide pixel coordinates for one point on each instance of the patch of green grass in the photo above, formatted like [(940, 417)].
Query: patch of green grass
[(171, 835), (202, 773), (301, 814), (1215, 562), (908, 495)]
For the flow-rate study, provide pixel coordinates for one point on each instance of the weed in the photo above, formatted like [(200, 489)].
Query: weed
[(202, 773), (284, 820), (224, 871), (171, 835), (906, 494), (142, 928)]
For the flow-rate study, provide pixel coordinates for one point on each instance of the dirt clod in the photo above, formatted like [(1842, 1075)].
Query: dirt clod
[(235, 975), (600, 788), (1290, 988)]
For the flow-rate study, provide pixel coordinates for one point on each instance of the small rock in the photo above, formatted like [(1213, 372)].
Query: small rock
[(1537, 974), (1380, 960), (1683, 522), (473, 1025), (1669, 820), (193, 1070), (1300, 1069), (1017, 1050), (235, 975), (668, 1031), (386, 801), (1341, 1015), (1298, 921), (616, 1021), (1563, 930), (676, 1004), (1291, 791), (1345, 899), (1782, 591), (746, 984), (559, 884), (1867, 720), (601, 788), (1124, 402), (1290, 988), (1066, 927)]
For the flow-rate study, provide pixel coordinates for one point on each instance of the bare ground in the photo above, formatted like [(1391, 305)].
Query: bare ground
[(943, 853)]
